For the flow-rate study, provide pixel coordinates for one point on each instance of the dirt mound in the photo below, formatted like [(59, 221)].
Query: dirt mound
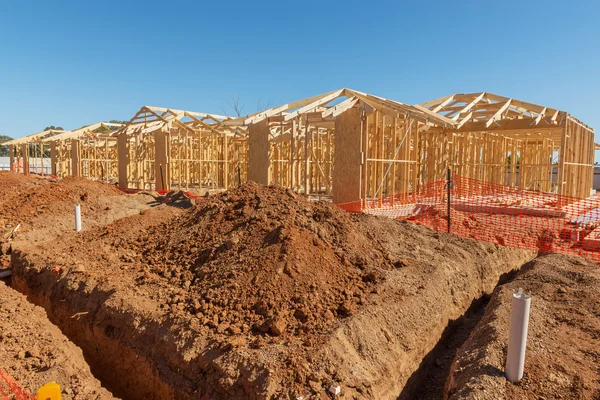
[(264, 259), (53, 197), (257, 292), (44, 208), (35, 352), (13, 184), (563, 349)]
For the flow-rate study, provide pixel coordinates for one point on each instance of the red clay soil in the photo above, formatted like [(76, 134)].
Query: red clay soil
[(563, 349), (44, 208), (13, 184), (34, 352), (257, 292), (54, 197)]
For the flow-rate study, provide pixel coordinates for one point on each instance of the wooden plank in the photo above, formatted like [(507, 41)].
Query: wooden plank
[(498, 113), (468, 106), (75, 158), (347, 169), (161, 168), (258, 152)]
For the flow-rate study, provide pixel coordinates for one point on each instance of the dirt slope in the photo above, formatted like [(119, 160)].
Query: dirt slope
[(259, 292), (563, 350), (44, 208), (35, 352)]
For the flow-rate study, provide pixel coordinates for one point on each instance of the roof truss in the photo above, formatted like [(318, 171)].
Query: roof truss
[(488, 111)]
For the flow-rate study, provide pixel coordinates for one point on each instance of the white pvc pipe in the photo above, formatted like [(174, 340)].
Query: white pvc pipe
[(77, 217), (6, 273), (517, 340)]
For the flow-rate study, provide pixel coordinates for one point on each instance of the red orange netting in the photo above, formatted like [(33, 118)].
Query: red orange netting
[(11, 390), (493, 213)]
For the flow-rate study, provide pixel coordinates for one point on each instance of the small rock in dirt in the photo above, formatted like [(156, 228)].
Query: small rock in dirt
[(315, 386), (401, 264), (261, 307), (234, 330), (346, 309), (238, 341), (300, 314), (276, 325), (259, 343), (222, 327), (370, 276), (561, 290), (329, 315), (79, 268)]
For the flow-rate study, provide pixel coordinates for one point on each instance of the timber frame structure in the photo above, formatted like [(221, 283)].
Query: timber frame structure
[(346, 145), (161, 148), (88, 152), (511, 142), (343, 144), (21, 150)]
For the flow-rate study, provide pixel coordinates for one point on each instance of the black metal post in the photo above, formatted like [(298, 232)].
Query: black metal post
[(448, 183), (162, 178)]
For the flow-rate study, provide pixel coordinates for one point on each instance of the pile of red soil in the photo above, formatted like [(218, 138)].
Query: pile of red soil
[(12, 184), (264, 260), (258, 292), (52, 198), (563, 348)]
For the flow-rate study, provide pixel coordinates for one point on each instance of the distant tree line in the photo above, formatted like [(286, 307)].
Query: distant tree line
[(4, 149)]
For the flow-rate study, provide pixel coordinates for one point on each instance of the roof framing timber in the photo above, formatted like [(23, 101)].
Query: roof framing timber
[(488, 111)]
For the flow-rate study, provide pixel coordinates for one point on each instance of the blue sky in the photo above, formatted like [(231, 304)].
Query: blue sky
[(75, 63)]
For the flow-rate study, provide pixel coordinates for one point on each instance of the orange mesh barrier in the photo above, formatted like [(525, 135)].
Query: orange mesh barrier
[(11, 390), (492, 213)]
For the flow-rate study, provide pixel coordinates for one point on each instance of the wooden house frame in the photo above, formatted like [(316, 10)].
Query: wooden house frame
[(21, 149), (499, 138), (89, 152), (345, 144), (161, 148)]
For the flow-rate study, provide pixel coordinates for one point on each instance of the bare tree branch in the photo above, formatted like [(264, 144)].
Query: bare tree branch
[(261, 107)]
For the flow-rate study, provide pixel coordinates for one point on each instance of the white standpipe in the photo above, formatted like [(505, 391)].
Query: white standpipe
[(77, 217), (517, 340)]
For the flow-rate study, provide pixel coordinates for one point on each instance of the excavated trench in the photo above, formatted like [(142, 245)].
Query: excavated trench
[(134, 355), (429, 380)]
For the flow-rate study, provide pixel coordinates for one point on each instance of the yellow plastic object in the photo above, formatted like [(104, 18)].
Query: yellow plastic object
[(50, 391)]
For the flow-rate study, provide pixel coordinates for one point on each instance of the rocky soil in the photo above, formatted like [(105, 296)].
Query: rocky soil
[(258, 292)]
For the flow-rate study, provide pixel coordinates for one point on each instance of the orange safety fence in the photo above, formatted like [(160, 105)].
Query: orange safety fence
[(507, 216), (11, 390)]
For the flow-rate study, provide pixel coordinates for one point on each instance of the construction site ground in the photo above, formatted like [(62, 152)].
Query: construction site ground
[(563, 351), (252, 293), (34, 351)]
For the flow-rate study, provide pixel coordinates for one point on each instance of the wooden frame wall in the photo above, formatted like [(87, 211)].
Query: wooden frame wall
[(492, 132), (392, 146), (301, 156), (162, 148)]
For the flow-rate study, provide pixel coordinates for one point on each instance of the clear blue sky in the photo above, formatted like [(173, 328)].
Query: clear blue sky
[(73, 63)]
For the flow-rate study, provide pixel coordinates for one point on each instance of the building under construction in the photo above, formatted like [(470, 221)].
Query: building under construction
[(345, 145)]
